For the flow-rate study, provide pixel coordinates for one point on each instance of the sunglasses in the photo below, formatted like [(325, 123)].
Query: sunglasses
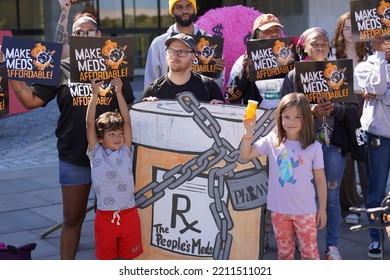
[(88, 33)]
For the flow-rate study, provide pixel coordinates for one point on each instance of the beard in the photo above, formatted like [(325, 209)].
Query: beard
[(185, 23)]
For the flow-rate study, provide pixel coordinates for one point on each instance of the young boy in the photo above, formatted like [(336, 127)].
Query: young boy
[(117, 224)]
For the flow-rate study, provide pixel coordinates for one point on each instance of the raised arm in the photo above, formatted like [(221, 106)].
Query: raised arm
[(247, 151), (62, 27), (91, 114), (123, 110), (25, 95)]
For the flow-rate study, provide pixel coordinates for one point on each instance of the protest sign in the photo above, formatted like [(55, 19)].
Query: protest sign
[(330, 79), (369, 19), (32, 61), (101, 58), (4, 96), (272, 58), (208, 50)]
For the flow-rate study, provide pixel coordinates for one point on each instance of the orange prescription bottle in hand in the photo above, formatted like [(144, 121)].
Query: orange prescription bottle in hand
[(251, 109)]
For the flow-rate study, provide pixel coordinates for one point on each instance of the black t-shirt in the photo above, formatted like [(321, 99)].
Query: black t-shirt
[(203, 88), (72, 101)]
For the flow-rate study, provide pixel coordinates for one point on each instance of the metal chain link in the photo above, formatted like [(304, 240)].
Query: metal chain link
[(221, 149)]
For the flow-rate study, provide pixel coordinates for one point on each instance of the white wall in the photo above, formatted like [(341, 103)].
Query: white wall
[(325, 13), (322, 13)]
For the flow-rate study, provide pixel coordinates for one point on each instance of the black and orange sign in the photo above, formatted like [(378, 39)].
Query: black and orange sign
[(101, 58), (4, 96), (32, 61), (272, 58), (330, 79), (369, 19), (208, 50)]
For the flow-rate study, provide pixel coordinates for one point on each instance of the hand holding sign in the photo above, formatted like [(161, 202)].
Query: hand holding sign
[(117, 84), (272, 58), (65, 5), (324, 107), (95, 86)]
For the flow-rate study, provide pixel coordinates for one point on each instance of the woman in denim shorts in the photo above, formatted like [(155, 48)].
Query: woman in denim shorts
[(72, 100)]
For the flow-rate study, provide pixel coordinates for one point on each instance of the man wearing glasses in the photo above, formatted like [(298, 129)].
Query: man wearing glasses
[(179, 52), (183, 12)]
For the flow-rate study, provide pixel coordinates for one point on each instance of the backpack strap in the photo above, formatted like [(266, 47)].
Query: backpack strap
[(155, 83), (205, 82)]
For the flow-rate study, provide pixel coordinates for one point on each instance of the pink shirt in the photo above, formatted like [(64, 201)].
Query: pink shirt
[(291, 187)]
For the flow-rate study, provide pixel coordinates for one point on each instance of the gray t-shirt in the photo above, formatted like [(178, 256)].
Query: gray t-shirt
[(112, 178)]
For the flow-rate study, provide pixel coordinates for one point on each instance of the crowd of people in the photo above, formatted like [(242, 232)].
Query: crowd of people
[(323, 185)]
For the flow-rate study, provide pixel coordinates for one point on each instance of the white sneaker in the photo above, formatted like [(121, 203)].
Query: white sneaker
[(333, 253), (352, 219), (374, 250)]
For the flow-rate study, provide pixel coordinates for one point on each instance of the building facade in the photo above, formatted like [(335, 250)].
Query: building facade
[(146, 19)]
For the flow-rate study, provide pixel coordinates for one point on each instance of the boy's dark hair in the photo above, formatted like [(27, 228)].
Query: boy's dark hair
[(108, 121)]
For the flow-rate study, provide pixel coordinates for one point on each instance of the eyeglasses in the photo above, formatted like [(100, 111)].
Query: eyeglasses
[(88, 33), (179, 53)]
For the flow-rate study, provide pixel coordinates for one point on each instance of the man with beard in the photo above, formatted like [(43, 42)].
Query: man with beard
[(183, 12), (180, 50)]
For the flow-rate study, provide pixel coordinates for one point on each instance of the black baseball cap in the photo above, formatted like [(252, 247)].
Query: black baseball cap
[(188, 40)]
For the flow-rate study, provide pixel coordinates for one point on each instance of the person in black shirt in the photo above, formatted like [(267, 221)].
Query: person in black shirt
[(180, 51)]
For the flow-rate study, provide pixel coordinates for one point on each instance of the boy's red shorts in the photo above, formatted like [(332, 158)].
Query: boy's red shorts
[(117, 235)]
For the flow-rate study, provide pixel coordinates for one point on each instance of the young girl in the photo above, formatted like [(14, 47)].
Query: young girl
[(117, 224), (345, 48), (294, 159), (313, 45)]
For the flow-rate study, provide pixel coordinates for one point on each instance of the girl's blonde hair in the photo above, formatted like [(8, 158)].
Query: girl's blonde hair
[(299, 100)]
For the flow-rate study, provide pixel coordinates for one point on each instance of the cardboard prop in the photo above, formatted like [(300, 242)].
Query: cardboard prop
[(195, 198)]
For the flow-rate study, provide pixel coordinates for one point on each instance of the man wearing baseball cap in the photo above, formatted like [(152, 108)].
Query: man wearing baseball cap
[(183, 12), (268, 26), (266, 92), (180, 51)]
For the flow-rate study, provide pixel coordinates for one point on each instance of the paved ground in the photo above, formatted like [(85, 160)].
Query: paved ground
[(30, 197)]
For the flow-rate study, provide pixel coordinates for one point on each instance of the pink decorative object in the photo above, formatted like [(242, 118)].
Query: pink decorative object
[(234, 24)]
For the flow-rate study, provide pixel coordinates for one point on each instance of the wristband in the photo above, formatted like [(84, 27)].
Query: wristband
[(247, 137)]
